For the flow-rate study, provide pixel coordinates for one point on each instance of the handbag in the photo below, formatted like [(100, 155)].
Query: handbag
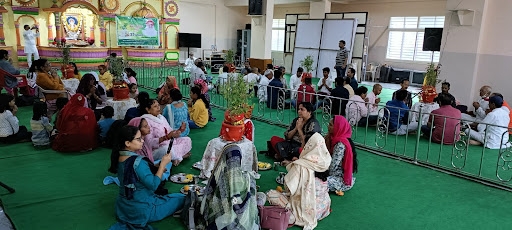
[(274, 217)]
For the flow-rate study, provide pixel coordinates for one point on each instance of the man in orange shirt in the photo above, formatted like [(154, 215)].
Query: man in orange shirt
[(505, 104)]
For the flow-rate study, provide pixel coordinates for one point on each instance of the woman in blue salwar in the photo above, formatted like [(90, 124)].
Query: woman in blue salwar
[(137, 204)]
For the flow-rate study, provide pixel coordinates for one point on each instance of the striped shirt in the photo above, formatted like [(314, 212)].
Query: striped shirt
[(341, 56)]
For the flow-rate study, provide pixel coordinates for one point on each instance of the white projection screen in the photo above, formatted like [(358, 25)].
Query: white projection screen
[(321, 37)]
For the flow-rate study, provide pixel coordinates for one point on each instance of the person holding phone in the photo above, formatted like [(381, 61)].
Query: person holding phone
[(30, 43)]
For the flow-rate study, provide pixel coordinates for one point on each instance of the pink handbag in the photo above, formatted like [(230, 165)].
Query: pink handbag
[(274, 217)]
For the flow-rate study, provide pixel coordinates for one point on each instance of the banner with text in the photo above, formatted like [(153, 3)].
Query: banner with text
[(137, 31)]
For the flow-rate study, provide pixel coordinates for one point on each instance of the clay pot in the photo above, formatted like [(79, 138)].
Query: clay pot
[(428, 94), (121, 93), (233, 119), (230, 132)]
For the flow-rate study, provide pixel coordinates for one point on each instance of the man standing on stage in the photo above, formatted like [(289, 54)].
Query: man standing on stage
[(30, 43)]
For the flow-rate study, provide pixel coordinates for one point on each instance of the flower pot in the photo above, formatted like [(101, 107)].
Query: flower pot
[(68, 71), (233, 119), (121, 93), (230, 132), (428, 94), (306, 75)]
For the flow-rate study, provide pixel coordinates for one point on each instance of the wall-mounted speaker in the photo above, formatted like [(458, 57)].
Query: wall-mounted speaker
[(432, 39), (255, 7)]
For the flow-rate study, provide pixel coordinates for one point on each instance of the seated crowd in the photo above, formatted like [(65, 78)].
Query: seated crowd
[(153, 137)]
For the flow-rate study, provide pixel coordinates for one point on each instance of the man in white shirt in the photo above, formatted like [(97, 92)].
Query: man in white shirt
[(30, 43), (324, 87), (252, 78), (189, 63), (295, 82), (262, 88), (493, 126), (197, 73), (374, 100), (480, 106)]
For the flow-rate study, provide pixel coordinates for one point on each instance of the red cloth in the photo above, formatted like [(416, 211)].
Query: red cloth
[(308, 96), (249, 129), (341, 132), (77, 127), (274, 140)]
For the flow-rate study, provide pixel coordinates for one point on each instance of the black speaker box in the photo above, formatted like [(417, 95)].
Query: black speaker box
[(432, 39), (247, 26), (255, 7)]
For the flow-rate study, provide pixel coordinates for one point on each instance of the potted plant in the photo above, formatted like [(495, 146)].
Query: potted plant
[(120, 88), (230, 60), (307, 63), (235, 92), (428, 93), (68, 71)]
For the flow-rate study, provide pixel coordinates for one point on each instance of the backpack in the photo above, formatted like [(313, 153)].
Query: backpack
[(191, 215)]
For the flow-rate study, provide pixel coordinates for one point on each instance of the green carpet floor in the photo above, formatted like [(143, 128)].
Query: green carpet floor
[(65, 191)]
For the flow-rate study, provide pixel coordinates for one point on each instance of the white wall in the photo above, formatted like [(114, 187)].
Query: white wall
[(217, 23), (379, 15)]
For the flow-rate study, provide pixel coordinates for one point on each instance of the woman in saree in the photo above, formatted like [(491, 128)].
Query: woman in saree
[(137, 204), (230, 197), (164, 95), (301, 183), (77, 127), (301, 129), (181, 146), (344, 156)]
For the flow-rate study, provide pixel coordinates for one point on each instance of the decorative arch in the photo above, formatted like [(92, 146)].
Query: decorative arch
[(27, 16), (166, 30), (139, 3), (84, 3), (109, 27)]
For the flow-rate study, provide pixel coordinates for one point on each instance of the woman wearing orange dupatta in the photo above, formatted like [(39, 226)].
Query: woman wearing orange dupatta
[(343, 152), (77, 127), (164, 95)]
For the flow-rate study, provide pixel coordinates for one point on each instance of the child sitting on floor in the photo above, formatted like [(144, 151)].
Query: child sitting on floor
[(134, 91), (107, 113), (40, 125)]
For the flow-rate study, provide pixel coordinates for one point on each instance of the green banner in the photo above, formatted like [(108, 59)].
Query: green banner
[(137, 31)]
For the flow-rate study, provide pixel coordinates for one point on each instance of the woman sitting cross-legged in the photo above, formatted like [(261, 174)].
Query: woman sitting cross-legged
[(344, 156), (197, 108), (176, 112), (309, 200), (164, 95), (301, 129), (77, 127), (180, 146), (10, 130), (137, 204), (40, 125), (230, 197)]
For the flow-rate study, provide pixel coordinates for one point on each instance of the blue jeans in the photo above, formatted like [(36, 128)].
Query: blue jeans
[(340, 72), (192, 125)]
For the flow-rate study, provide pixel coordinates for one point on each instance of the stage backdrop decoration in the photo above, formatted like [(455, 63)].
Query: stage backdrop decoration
[(137, 31)]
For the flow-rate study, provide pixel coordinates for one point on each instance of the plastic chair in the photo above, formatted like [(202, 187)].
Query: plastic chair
[(21, 79)]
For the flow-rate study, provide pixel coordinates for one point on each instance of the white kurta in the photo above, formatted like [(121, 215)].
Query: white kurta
[(295, 82), (493, 140), (262, 89), (30, 41), (189, 64)]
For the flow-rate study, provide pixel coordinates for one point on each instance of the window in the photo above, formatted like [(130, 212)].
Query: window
[(406, 38), (278, 26)]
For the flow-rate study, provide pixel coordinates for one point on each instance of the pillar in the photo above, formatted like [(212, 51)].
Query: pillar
[(103, 36), (2, 37), (50, 34), (17, 28), (91, 33), (318, 9), (38, 39), (58, 27), (261, 32), (477, 54)]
